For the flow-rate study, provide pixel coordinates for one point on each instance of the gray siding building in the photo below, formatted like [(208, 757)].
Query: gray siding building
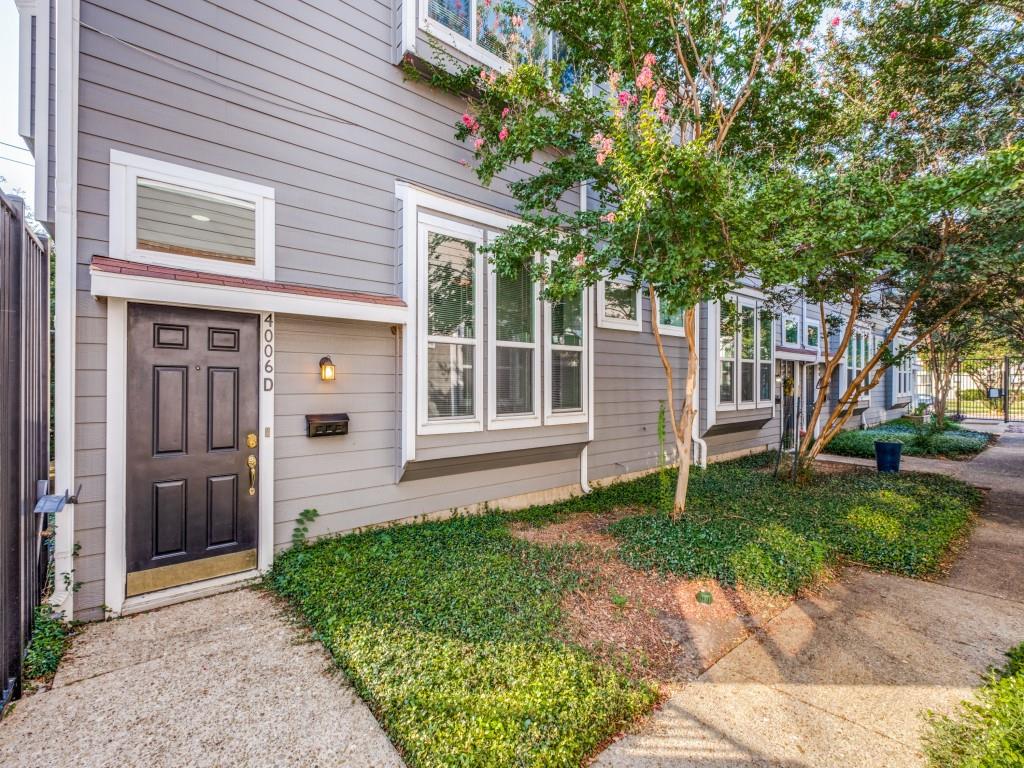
[(272, 298)]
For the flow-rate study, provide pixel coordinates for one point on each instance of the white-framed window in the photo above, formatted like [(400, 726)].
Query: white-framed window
[(812, 335), (620, 304), (514, 367), (904, 373), (858, 353), (669, 323), (746, 354), (765, 357), (479, 29), (791, 330), (451, 327), (174, 216), (566, 364)]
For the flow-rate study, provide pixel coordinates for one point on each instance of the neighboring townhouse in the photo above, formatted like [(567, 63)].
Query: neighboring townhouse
[(271, 297)]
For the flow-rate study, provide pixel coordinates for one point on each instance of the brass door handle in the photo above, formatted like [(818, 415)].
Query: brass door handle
[(251, 461)]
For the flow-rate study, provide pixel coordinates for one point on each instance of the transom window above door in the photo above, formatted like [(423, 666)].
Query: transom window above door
[(175, 216)]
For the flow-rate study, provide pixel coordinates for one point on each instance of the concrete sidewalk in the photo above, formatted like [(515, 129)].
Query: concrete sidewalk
[(226, 680), (841, 679)]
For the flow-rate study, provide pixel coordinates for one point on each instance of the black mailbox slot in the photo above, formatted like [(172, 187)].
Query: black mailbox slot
[(326, 424)]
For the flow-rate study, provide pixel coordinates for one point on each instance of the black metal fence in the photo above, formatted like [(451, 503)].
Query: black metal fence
[(982, 388), (24, 435)]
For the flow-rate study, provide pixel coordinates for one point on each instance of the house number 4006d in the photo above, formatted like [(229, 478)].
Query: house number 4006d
[(268, 353)]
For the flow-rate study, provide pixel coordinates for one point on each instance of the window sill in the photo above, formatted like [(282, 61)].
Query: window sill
[(575, 417), (513, 422), (477, 53), (450, 427)]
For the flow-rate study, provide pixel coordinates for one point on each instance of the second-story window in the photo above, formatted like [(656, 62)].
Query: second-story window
[(619, 304), (766, 351), (485, 31), (813, 339), (791, 330)]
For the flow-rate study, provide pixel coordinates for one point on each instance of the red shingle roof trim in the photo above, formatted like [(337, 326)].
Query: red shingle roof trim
[(120, 266)]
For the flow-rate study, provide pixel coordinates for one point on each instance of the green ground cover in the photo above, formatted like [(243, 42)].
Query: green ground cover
[(450, 630), (47, 646), (953, 442), (987, 732)]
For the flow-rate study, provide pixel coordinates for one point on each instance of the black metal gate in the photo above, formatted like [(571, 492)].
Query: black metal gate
[(24, 434), (989, 388)]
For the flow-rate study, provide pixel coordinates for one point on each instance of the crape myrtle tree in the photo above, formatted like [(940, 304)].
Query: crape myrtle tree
[(906, 182), (647, 108)]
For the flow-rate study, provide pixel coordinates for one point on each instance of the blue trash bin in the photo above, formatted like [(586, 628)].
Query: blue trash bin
[(887, 455)]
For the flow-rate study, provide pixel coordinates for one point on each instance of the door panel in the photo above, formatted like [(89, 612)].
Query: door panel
[(192, 505)]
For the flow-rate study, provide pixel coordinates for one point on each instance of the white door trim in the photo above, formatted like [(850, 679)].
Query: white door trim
[(115, 555)]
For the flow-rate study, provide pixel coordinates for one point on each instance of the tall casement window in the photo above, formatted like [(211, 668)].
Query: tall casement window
[(452, 309), (175, 216), (745, 351), (619, 304), (566, 361), (812, 337), (858, 353), (791, 330), (766, 348), (904, 374), (515, 370)]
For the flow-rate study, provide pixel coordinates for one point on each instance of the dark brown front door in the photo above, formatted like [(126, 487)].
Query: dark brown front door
[(192, 433)]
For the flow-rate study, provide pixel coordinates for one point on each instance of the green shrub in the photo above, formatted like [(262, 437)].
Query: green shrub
[(447, 629), (47, 646), (951, 440), (778, 560), (987, 732)]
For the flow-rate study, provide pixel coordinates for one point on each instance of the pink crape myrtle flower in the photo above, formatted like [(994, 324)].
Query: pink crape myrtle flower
[(664, 116), (645, 80), (503, 133), (626, 99), (650, 59), (504, 112), (894, 114), (603, 145), (470, 122), (836, 21), (608, 218), (614, 78), (517, 21), (580, 259), (660, 98), (479, 144)]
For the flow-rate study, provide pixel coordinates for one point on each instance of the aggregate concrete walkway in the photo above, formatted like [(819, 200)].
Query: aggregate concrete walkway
[(841, 679), (223, 681)]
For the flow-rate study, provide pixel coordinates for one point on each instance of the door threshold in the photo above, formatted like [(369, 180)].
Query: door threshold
[(185, 592)]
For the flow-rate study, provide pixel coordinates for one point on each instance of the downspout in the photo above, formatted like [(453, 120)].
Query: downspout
[(584, 461), (695, 427)]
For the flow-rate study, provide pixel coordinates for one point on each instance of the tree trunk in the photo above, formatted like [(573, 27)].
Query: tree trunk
[(682, 428)]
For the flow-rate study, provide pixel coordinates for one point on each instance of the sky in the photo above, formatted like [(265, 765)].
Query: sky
[(15, 176)]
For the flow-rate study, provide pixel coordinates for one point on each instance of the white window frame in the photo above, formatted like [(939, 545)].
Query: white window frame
[(905, 376), (741, 404), (759, 321), (568, 417), (666, 330), (740, 301), (467, 45), (636, 325), (816, 324), (799, 336), (517, 420), (125, 171), (859, 351), (425, 426)]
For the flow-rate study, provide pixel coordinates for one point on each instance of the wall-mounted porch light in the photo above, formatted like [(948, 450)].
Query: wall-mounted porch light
[(327, 369)]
